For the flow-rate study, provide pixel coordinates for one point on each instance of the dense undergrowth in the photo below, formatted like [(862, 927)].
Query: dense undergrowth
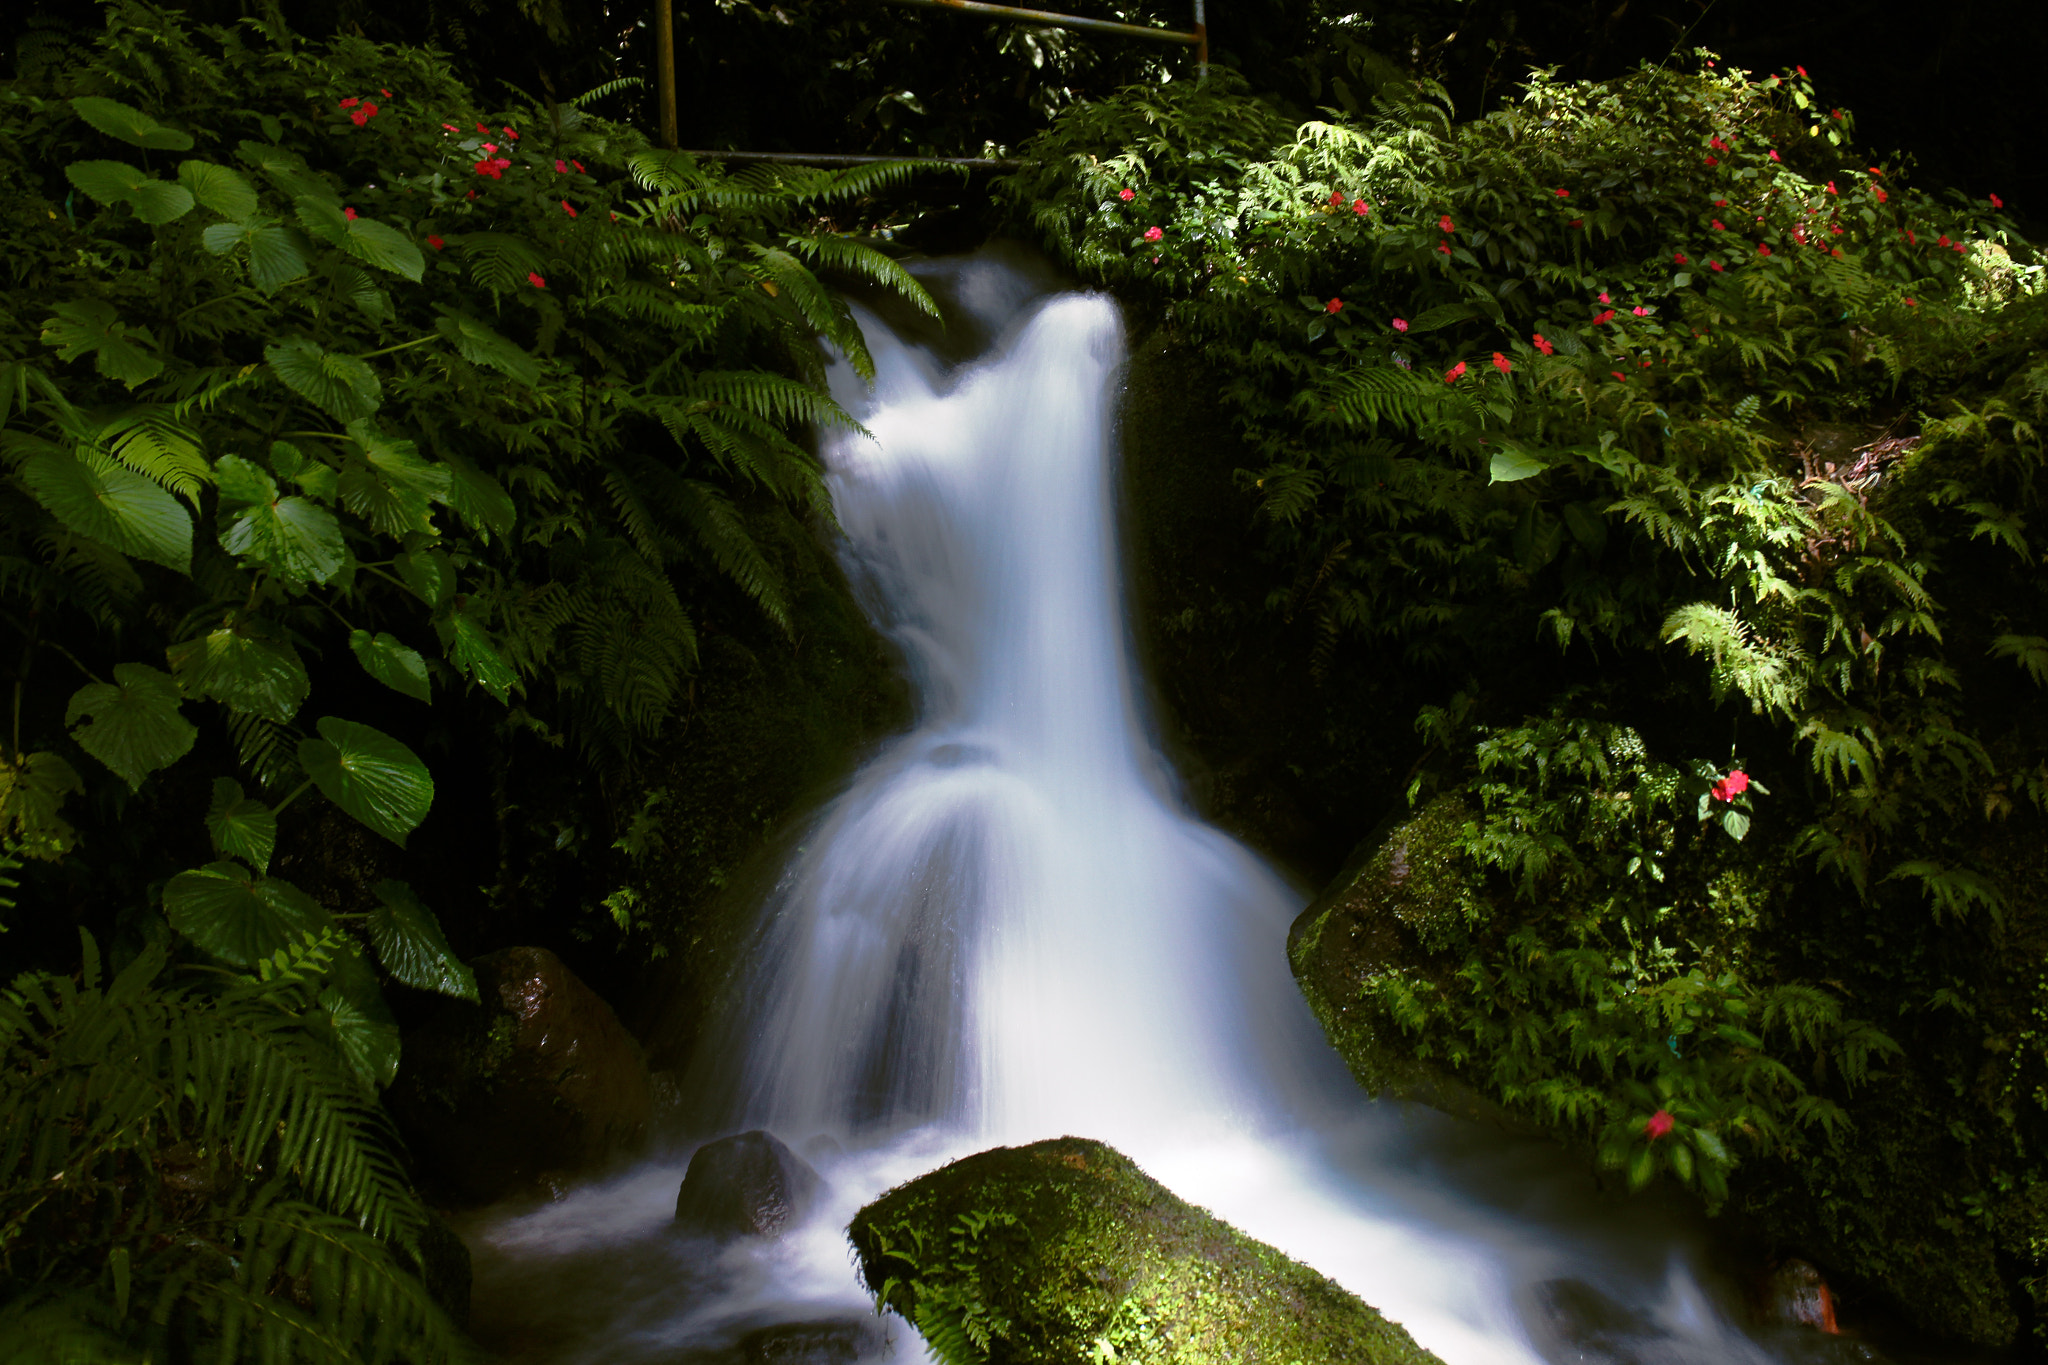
[(1672, 465)]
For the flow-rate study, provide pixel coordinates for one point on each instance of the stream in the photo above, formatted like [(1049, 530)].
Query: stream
[(1011, 926)]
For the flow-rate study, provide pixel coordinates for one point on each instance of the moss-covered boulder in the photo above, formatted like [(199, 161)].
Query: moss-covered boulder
[(1048, 1254)]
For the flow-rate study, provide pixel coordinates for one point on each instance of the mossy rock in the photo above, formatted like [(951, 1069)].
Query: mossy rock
[(1050, 1253), (1388, 910)]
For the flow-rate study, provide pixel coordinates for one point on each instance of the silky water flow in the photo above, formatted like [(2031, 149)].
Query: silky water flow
[(1009, 927)]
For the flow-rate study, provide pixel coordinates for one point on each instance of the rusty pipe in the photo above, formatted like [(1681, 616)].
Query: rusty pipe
[(971, 163), (1197, 39)]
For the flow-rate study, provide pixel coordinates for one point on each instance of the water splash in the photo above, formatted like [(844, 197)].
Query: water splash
[(1009, 927)]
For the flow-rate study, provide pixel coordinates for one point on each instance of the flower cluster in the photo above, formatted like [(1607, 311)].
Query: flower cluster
[(359, 110)]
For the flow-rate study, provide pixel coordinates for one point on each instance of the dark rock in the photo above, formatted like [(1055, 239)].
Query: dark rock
[(1063, 1248), (443, 1262), (538, 1081), (1795, 1295), (839, 1341), (745, 1185)]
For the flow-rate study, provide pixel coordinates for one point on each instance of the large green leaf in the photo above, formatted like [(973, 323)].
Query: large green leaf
[(297, 540), (391, 662), (241, 827), (429, 573), (409, 943), (363, 1027), (223, 189), (112, 505), (31, 798), (340, 385), (275, 254), (370, 775), (116, 182), (90, 327), (469, 648), (242, 671), (130, 124), (287, 171), (136, 726), (237, 916), (479, 345), (383, 246), (1510, 466), (394, 488), (480, 500)]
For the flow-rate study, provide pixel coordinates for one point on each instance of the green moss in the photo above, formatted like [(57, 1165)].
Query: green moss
[(1064, 1252)]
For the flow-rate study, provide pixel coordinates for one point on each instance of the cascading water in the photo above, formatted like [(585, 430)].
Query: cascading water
[(1010, 928)]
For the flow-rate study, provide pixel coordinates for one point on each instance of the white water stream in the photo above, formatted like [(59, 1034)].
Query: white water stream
[(1010, 927)]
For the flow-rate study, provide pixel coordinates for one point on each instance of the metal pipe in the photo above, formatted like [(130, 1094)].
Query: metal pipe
[(973, 163), (1197, 39), (665, 70), (1201, 41)]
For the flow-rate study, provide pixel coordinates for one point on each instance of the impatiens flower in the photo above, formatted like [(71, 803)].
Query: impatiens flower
[(1336, 199), (1400, 324), (436, 243), (1641, 311), (1800, 69), (1659, 1124), (1446, 224), (1874, 170), (1502, 363), (1334, 306), (1127, 195), (1731, 786), (1763, 249), (1646, 364), (1360, 207), (1455, 373), (1911, 304), (1941, 240), (1720, 203), (1911, 240), (481, 129), (1444, 246), (1881, 196), (1678, 258), (1604, 298), (349, 214), (533, 278), (470, 195), (1717, 144), (1996, 202), (577, 164), (1564, 194), (1960, 247), (451, 127), (1576, 222), (1543, 345), (1835, 228), (385, 93), (1775, 156), (1601, 319), (1153, 234), (1799, 233), (568, 210), (561, 168), (1714, 266), (350, 103), (362, 115), (1832, 189), (1719, 226), (1713, 161), (509, 133), (1619, 375)]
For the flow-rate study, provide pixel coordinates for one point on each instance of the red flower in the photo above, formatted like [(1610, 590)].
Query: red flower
[(1731, 786), (481, 129), (1763, 249), (349, 214), (1502, 363), (1960, 247), (1882, 196), (1713, 161), (509, 133), (1646, 364), (577, 164), (1876, 171), (1832, 189), (1360, 207), (436, 243), (1775, 156), (1127, 195), (1334, 306), (1455, 373), (1576, 222), (1153, 234), (1717, 144), (385, 93), (1604, 298), (470, 195), (1543, 345), (1800, 69), (495, 169), (1911, 304), (533, 278), (561, 167), (1400, 324), (1659, 1124), (1619, 375), (1678, 258), (1835, 228), (1564, 194), (1941, 240), (1601, 318), (1714, 266), (1444, 246), (1911, 240), (566, 209), (350, 103), (1446, 224), (1641, 311), (451, 127), (1719, 226), (362, 115), (490, 149), (1996, 202)]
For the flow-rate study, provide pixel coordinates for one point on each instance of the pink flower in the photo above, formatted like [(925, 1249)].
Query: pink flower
[(561, 168), (1334, 306), (1641, 311), (451, 127), (436, 243), (1502, 363), (1800, 69), (1731, 786), (349, 214), (1446, 224), (1455, 373), (1775, 156), (1153, 234), (1400, 324), (533, 278), (490, 149), (1714, 266), (1127, 195), (1660, 1123), (566, 209), (1604, 298), (1911, 304), (1832, 189), (1543, 345)]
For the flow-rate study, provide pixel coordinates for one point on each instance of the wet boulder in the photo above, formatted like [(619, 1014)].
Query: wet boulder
[(1065, 1251), (1795, 1295), (834, 1341), (746, 1185), (509, 1096), (1388, 910)]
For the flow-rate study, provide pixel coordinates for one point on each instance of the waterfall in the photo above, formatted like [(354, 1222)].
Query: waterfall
[(1010, 927)]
